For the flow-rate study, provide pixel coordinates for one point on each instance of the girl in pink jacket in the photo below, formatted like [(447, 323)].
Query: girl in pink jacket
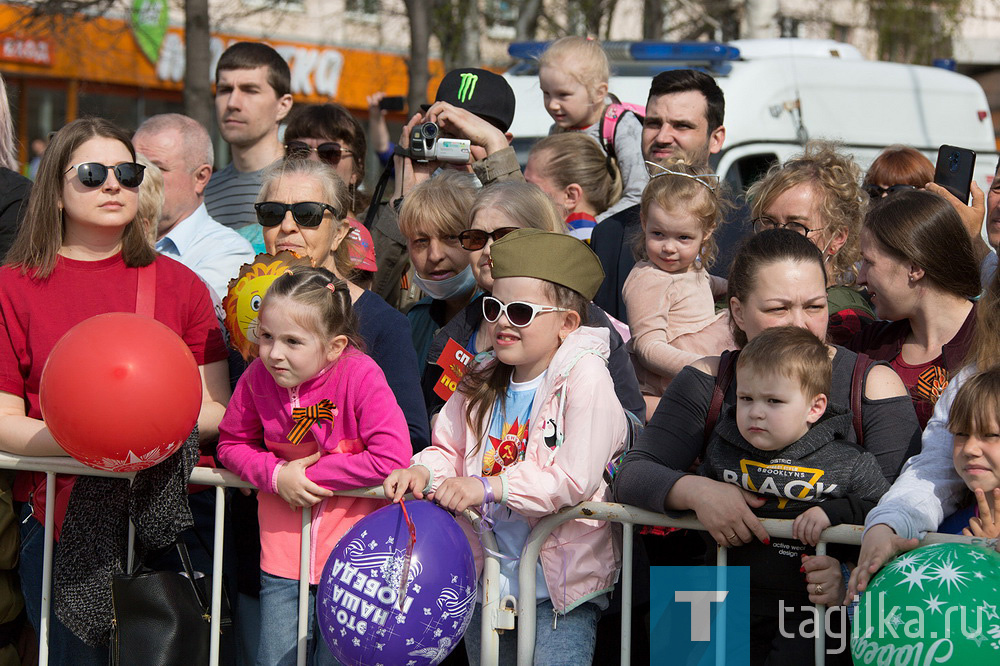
[(530, 431), (310, 416)]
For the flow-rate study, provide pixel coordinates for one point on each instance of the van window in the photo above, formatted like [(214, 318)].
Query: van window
[(747, 170)]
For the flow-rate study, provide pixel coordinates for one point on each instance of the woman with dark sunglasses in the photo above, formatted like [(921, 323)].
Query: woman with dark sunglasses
[(818, 194), (301, 209), (329, 133), (79, 253), (499, 209)]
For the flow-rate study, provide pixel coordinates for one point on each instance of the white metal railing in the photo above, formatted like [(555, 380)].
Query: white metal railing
[(493, 615), (221, 479), (629, 516)]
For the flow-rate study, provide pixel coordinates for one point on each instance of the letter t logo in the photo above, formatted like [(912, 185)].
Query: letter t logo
[(701, 607)]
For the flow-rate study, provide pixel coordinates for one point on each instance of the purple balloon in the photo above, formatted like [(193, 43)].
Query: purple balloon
[(360, 615)]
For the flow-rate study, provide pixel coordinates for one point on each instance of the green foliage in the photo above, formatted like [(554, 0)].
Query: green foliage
[(916, 31)]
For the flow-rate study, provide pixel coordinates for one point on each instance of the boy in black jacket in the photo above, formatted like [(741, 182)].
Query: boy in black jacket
[(785, 443)]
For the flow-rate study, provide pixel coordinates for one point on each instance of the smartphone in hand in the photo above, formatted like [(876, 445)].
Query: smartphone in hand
[(954, 171), (392, 103)]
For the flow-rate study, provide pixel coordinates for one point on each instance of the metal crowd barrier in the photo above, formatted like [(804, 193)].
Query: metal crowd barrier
[(222, 479), (629, 516), (494, 617)]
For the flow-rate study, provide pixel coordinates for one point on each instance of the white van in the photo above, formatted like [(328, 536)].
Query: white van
[(781, 92)]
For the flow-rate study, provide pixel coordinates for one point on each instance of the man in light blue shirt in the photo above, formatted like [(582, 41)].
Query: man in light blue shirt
[(182, 149)]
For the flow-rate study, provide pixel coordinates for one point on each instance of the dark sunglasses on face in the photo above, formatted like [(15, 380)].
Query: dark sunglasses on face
[(519, 313), (305, 213), (475, 239), (877, 191), (93, 174), (329, 152)]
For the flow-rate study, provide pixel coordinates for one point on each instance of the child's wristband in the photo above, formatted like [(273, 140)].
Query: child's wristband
[(488, 495)]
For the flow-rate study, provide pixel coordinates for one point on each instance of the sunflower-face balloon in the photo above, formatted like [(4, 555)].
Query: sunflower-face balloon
[(246, 293)]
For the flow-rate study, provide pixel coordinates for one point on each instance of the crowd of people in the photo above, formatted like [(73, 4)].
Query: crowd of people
[(855, 336)]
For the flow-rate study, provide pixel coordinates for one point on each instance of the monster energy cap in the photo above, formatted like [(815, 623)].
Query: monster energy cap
[(482, 92)]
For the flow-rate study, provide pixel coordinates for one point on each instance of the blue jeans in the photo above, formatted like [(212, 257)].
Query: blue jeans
[(279, 610), (570, 643), (64, 647)]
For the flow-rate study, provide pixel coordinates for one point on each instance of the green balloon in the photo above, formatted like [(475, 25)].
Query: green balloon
[(934, 605), (149, 26)]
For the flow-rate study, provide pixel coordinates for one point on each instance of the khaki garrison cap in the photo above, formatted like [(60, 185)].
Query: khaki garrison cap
[(545, 255)]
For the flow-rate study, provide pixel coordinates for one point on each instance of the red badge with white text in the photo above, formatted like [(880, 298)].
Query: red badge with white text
[(454, 360)]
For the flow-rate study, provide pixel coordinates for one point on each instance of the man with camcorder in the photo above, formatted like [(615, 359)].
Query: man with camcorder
[(465, 128)]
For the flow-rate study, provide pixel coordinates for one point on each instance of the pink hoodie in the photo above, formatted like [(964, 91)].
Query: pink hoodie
[(366, 441), (577, 401)]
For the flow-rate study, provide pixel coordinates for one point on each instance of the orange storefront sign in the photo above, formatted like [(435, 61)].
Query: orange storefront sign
[(102, 50)]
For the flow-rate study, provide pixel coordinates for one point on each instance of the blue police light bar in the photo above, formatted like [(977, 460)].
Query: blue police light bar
[(683, 51), (946, 63), (659, 51)]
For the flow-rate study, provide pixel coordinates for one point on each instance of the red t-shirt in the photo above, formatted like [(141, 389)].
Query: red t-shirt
[(925, 382), (35, 314)]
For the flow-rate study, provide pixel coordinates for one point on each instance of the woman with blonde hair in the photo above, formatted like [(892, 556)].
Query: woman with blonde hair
[(433, 214), (150, 198), (14, 188), (580, 179), (499, 209), (818, 194)]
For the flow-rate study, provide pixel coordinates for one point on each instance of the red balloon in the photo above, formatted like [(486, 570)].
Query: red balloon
[(120, 392)]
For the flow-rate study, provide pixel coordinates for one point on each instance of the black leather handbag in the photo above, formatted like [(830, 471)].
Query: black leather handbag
[(161, 618)]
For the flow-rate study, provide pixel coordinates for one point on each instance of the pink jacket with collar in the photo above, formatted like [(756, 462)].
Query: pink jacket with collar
[(366, 441), (577, 427)]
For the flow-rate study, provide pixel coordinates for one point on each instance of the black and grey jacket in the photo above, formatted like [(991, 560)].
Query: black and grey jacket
[(822, 468)]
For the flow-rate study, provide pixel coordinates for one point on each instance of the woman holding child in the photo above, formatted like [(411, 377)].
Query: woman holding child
[(777, 279)]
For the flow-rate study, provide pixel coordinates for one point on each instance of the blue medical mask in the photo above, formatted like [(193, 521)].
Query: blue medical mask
[(449, 288)]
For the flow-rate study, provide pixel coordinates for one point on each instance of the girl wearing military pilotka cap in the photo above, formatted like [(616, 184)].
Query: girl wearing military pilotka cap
[(529, 431)]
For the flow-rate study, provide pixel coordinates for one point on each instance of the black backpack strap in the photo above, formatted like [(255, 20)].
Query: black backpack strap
[(724, 377), (861, 365)]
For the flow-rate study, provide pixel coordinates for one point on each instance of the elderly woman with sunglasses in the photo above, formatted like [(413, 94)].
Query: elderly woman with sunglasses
[(81, 253), (499, 209), (301, 209), (818, 194)]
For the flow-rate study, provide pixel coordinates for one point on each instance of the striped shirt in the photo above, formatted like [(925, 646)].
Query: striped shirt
[(230, 196)]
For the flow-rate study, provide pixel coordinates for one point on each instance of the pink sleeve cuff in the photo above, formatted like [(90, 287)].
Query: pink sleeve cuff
[(274, 476)]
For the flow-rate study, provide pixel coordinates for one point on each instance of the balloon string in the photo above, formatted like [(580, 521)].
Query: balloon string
[(486, 523), (409, 553)]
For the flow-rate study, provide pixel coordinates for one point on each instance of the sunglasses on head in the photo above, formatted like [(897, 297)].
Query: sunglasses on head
[(519, 313), (475, 239), (877, 191), (330, 152), (93, 174), (305, 213)]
